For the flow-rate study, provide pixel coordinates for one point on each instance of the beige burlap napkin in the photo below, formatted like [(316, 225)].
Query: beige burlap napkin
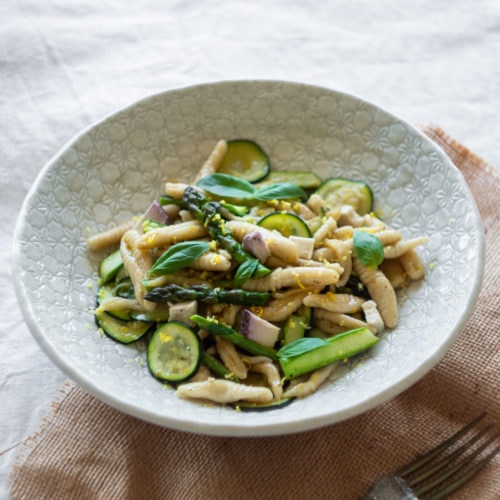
[(88, 450)]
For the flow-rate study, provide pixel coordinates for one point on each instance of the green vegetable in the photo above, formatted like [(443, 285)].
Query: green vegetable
[(295, 328), (286, 223), (206, 294), (245, 159), (179, 256), (122, 331), (228, 186), (215, 366), (368, 248), (215, 328), (109, 267), (305, 180), (273, 405), (338, 191), (174, 352), (310, 353), (209, 212)]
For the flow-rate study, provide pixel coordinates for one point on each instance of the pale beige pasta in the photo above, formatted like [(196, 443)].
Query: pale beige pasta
[(297, 277), (335, 302), (395, 272), (280, 309), (213, 161), (402, 247), (137, 263), (169, 235), (345, 321), (326, 230), (175, 189), (279, 245), (231, 358), (213, 261), (380, 290), (272, 376), (109, 238), (412, 264), (301, 389)]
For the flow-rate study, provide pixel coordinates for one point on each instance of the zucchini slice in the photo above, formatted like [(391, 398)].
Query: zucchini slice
[(341, 346), (109, 267), (245, 159), (273, 405), (122, 331), (303, 179), (338, 191), (174, 352), (286, 223)]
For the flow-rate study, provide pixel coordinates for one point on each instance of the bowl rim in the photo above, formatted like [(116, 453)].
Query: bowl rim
[(214, 428)]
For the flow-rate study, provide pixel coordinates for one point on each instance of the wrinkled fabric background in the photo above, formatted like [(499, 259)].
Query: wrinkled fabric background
[(64, 65)]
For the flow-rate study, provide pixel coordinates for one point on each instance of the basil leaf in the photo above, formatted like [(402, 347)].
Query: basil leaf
[(368, 248), (179, 256), (280, 191), (224, 185), (300, 346), (245, 271)]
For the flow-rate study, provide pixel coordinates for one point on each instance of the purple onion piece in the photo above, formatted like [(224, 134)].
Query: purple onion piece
[(258, 329), (255, 244), (156, 213)]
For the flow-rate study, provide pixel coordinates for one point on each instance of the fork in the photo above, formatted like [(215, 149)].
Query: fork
[(443, 469)]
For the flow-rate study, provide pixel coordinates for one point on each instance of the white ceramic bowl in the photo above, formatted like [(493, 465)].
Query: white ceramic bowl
[(113, 169)]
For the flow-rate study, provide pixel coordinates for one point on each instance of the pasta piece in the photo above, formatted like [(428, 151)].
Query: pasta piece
[(185, 215), (395, 272), (279, 246), (349, 217), (272, 375), (372, 316), (137, 263), (213, 261), (380, 290), (224, 391), (175, 189), (169, 235), (388, 236), (401, 247), (342, 251), (280, 309), (306, 388), (412, 264), (317, 204), (213, 161), (231, 358), (109, 238), (325, 231), (295, 277), (335, 302), (325, 320), (202, 374)]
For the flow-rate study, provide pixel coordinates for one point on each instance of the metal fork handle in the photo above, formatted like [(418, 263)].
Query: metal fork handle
[(390, 487)]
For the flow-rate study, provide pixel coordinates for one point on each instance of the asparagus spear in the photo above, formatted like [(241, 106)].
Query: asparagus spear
[(203, 293), (214, 365), (209, 212), (215, 328)]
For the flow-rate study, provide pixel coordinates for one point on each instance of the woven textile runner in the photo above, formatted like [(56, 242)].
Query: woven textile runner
[(87, 450)]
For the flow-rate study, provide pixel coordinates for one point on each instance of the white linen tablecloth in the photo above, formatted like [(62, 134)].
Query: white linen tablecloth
[(64, 65)]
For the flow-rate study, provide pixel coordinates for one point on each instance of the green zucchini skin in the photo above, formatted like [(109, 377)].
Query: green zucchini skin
[(125, 332), (303, 179), (174, 352), (256, 407), (245, 159), (109, 267), (339, 347), (286, 223), (338, 191)]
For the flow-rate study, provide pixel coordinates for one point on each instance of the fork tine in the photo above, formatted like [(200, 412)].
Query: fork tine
[(430, 471), (419, 462), (463, 479), (453, 470)]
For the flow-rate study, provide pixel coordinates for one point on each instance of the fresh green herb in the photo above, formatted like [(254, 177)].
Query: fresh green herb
[(224, 185), (179, 256), (245, 271), (280, 191), (368, 248), (300, 346)]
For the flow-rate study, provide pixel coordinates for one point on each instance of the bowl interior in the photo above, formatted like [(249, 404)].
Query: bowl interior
[(112, 171)]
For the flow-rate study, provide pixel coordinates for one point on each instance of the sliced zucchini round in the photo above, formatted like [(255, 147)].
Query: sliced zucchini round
[(174, 352), (245, 159), (286, 223), (338, 191), (122, 331)]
